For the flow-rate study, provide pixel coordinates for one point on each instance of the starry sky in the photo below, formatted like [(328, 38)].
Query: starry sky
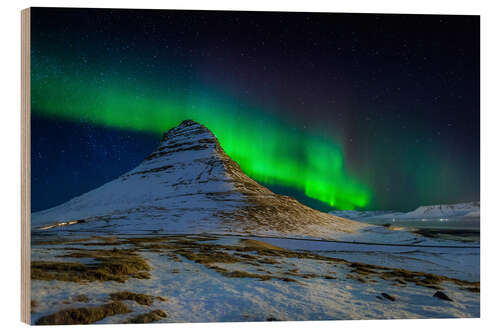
[(341, 111)]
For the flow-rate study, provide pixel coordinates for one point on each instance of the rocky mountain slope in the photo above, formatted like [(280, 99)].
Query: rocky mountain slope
[(188, 184)]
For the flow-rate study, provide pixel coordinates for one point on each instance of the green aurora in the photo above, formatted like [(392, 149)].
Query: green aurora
[(269, 149)]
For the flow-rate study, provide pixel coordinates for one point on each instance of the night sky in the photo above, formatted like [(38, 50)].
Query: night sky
[(345, 111)]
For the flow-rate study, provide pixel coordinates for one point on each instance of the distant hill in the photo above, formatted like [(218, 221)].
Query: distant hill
[(462, 211)]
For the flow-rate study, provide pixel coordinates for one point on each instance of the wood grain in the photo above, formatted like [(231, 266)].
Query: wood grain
[(25, 167)]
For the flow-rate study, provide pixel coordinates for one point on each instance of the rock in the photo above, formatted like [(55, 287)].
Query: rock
[(389, 297), (443, 296)]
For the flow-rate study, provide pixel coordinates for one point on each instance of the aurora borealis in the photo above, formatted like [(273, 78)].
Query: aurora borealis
[(344, 111), (267, 149)]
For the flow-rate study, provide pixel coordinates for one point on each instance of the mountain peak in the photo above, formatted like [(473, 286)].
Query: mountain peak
[(189, 184), (189, 122), (186, 127)]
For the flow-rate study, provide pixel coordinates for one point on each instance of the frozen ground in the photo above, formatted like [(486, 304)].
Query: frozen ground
[(296, 282)]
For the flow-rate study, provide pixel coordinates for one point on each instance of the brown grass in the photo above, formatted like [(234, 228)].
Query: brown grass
[(242, 274), (206, 257), (98, 240), (142, 299), (112, 265), (427, 280), (82, 298), (122, 264), (259, 244), (149, 317), (87, 315), (254, 252), (33, 305), (59, 241)]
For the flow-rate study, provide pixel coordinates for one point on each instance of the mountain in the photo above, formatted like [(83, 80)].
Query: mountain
[(188, 184), (359, 215), (460, 211)]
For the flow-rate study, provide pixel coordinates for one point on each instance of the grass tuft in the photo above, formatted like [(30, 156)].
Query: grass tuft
[(111, 265), (149, 317), (87, 315), (142, 299)]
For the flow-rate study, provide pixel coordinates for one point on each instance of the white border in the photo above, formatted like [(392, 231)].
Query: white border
[(490, 142)]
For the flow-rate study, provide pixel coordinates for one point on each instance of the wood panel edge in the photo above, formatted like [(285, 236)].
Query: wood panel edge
[(25, 167)]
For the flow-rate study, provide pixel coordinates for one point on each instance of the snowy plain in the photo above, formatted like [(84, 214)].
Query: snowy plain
[(197, 293)]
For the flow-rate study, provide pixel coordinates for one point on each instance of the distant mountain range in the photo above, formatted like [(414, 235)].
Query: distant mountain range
[(361, 214), (460, 211)]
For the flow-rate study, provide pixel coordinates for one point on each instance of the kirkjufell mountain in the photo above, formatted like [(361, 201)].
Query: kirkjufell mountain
[(188, 185)]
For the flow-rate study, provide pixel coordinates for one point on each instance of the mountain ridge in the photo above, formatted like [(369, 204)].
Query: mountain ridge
[(465, 210)]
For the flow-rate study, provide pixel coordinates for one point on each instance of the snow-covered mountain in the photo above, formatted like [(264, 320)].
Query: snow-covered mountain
[(188, 184), (469, 210), (460, 211), (359, 215)]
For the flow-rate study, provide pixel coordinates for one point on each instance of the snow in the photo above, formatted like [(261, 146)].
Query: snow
[(188, 185), (443, 212), (199, 294), (359, 215), (183, 187), (441, 258), (178, 188)]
